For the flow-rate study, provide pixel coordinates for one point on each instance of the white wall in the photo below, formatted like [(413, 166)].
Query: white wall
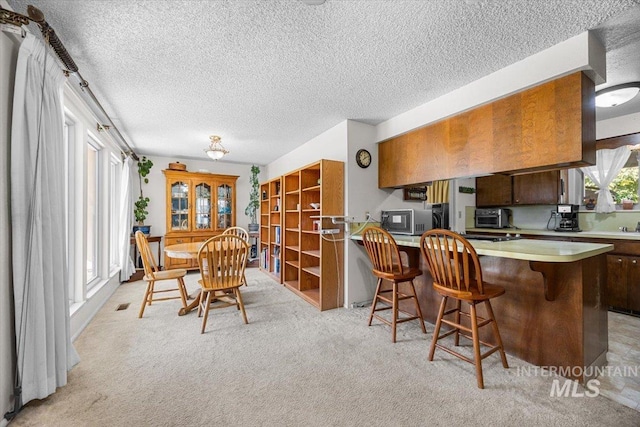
[(8, 56), (460, 202), (618, 126), (331, 145), (156, 188), (362, 195)]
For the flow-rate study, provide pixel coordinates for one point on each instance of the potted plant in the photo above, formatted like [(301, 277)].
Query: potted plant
[(254, 199), (140, 206)]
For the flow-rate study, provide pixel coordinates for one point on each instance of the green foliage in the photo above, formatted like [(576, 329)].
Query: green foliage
[(140, 210), (254, 195), (623, 187), (144, 167)]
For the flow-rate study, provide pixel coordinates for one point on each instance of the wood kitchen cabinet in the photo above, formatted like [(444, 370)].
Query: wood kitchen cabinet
[(493, 190), (623, 283), (541, 188), (541, 128), (198, 206)]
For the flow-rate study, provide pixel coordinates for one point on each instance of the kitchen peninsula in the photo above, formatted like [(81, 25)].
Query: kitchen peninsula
[(553, 312)]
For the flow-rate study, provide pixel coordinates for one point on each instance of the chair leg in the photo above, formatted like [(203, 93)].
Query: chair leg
[(183, 291), (145, 299), (457, 334), (201, 299), (375, 300), (476, 344), (496, 333), (206, 311), (418, 311), (394, 320), (436, 331), (241, 304)]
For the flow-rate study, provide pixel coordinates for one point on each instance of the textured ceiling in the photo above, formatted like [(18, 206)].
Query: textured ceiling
[(269, 75)]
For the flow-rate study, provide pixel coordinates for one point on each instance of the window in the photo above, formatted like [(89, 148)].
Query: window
[(92, 210), (68, 131), (623, 187), (114, 212)]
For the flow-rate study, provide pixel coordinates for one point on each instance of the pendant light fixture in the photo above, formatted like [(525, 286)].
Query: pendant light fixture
[(216, 151), (616, 95)]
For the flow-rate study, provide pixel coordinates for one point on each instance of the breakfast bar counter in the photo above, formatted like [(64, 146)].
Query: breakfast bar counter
[(553, 313)]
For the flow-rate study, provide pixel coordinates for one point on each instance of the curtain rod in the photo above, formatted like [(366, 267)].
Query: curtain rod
[(35, 15)]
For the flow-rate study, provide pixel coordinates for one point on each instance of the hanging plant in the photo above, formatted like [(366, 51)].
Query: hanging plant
[(140, 206)]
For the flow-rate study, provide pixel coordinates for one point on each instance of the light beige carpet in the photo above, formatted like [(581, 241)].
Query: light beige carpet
[(290, 366)]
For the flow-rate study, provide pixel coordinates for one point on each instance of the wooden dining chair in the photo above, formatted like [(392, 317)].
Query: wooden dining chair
[(152, 275), (387, 265), (222, 260), (457, 274), (244, 235)]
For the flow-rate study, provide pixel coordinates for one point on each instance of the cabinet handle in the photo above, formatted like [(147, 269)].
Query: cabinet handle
[(634, 261), (619, 259)]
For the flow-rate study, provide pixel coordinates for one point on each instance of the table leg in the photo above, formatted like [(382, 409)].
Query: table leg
[(194, 304)]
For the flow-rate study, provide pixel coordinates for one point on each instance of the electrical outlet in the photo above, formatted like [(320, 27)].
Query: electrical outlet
[(330, 231)]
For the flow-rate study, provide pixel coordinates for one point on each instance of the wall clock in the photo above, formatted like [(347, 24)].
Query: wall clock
[(363, 158)]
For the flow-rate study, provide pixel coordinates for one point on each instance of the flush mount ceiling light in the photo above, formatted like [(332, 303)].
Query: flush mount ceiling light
[(216, 151), (312, 2), (616, 95)]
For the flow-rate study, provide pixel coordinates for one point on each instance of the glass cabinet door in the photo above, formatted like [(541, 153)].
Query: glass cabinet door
[(203, 207), (225, 206), (180, 205)]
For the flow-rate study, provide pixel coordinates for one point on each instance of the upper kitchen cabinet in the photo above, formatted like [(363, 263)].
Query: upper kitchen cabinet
[(540, 188), (493, 190), (544, 128)]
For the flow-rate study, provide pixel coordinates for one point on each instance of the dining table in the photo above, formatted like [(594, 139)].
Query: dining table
[(186, 251)]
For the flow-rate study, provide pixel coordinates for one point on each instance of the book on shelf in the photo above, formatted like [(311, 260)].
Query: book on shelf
[(276, 266), (277, 231)]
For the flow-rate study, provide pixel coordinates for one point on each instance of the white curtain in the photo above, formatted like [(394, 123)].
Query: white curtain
[(608, 166), (40, 275), (127, 267)]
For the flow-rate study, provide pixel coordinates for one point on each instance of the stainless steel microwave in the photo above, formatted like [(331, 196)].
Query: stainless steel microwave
[(407, 221), (492, 218)]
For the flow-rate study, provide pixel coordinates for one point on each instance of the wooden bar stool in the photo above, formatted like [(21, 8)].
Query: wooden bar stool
[(456, 271), (387, 265)]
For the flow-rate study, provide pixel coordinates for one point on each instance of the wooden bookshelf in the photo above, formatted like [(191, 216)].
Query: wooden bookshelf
[(311, 268), (271, 238)]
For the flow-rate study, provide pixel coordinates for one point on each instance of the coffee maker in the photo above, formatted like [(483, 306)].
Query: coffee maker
[(568, 218)]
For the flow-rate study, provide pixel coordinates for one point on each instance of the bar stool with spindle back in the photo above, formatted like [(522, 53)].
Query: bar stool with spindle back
[(457, 273), (387, 265)]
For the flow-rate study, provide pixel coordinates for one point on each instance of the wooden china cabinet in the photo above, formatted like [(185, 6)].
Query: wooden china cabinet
[(199, 206)]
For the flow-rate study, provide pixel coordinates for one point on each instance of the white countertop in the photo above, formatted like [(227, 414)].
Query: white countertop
[(618, 235), (524, 249)]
